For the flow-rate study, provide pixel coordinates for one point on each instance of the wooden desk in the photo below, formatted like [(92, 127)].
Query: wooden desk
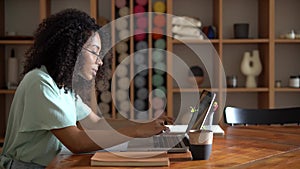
[(242, 147)]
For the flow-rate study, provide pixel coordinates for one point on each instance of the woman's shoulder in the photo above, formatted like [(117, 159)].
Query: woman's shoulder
[(38, 74)]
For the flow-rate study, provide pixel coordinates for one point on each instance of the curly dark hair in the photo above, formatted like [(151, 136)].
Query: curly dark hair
[(58, 42)]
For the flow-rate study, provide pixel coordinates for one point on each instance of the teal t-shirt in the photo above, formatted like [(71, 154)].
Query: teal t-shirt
[(39, 106)]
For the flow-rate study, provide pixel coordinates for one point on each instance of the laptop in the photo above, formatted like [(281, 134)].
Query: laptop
[(175, 140)]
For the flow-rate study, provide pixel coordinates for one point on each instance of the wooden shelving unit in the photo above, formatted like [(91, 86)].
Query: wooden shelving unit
[(267, 22)]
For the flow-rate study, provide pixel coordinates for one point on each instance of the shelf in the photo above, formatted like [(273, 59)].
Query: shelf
[(287, 40), (7, 91), (226, 41), (238, 41), (195, 41), (178, 90), (16, 42), (287, 89), (232, 90)]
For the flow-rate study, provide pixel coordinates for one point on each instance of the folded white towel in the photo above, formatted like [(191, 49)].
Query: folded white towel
[(185, 21), (186, 31), (200, 37)]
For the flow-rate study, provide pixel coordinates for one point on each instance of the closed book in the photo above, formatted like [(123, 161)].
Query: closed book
[(130, 159)]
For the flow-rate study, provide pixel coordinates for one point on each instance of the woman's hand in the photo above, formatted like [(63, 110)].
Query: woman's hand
[(151, 128), (166, 119), (154, 127)]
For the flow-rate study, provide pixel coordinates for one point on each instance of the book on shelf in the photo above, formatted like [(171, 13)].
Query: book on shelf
[(158, 158)]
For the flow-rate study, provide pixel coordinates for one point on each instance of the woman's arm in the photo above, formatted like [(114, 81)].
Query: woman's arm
[(75, 139), (93, 131), (129, 128)]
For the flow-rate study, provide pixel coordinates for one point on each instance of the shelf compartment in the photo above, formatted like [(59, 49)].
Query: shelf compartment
[(243, 11), (287, 99), (286, 17), (286, 56), (287, 41), (287, 89)]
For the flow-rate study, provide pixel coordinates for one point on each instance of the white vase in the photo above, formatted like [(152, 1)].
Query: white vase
[(251, 67)]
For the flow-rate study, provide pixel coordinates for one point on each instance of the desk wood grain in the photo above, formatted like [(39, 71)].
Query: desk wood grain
[(261, 147)]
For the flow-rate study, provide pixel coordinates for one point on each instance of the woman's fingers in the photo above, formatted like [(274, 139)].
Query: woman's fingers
[(166, 119)]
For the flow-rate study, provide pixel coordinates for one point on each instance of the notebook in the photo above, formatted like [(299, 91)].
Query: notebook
[(175, 141), (132, 159)]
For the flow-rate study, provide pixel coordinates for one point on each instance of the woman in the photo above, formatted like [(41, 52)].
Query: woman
[(46, 108)]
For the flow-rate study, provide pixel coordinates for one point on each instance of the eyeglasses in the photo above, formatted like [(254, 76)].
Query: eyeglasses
[(99, 56)]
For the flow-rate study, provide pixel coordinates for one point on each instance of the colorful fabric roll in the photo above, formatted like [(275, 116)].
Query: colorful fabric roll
[(142, 93), (139, 35), (121, 24), (160, 92), (159, 6), (141, 45), (139, 104), (104, 108), (160, 43), (141, 22), (142, 115), (122, 47), (106, 97), (108, 74), (139, 58), (157, 33), (160, 68), (142, 2), (158, 55), (124, 11), (142, 70), (159, 20), (120, 3), (102, 85), (139, 9), (157, 80), (122, 95), (140, 81), (124, 106), (122, 70), (123, 58), (124, 34), (158, 103), (124, 83)]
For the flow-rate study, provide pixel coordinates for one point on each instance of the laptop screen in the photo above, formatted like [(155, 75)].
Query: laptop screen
[(206, 102)]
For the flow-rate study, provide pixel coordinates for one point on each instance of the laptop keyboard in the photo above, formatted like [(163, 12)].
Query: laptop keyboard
[(167, 141)]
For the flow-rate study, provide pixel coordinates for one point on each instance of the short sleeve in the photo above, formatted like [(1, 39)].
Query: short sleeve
[(47, 107), (82, 110)]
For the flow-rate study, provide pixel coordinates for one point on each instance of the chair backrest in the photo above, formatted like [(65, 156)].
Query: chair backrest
[(235, 115)]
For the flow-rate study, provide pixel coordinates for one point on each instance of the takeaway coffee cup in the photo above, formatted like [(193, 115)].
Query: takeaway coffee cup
[(200, 144), (241, 30)]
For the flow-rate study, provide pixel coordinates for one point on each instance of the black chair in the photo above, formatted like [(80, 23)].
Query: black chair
[(241, 116)]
